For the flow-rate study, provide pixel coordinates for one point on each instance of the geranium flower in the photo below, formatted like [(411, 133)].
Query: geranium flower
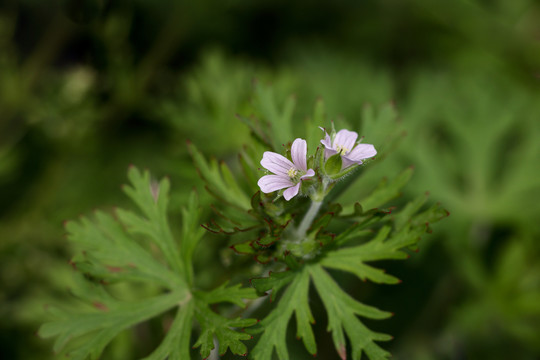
[(287, 174), (344, 143)]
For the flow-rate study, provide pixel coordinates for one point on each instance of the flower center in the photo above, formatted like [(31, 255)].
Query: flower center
[(292, 173), (342, 150)]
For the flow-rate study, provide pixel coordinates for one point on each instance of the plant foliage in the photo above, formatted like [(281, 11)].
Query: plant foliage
[(140, 249), (300, 244)]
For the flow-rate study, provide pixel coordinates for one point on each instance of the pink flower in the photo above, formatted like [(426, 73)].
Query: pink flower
[(344, 143), (288, 174)]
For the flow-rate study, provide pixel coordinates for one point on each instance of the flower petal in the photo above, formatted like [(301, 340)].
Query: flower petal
[(291, 192), (362, 151), (308, 174), (345, 163), (327, 141), (271, 183), (328, 153), (345, 139), (299, 153), (276, 163)]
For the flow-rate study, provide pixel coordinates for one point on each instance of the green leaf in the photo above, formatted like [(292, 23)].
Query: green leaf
[(233, 294), (223, 329), (245, 248), (192, 232), (361, 227), (387, 191), (387, 244), (249, 168), (381, 127), (274, 282), (113, 251), (312, 131), (404, 215), (175, 346), (220, 180), (279, 122), (109, 320), (152, 199), (258, 129), (112, 255), (342, 311), (274, 326), (352, 259)]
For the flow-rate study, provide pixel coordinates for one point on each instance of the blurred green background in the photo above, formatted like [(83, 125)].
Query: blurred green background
[(88, 87)]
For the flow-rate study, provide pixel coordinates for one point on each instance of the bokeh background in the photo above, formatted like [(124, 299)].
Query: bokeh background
[(88, 87)]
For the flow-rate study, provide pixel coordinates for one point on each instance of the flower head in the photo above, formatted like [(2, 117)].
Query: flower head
[(287, 175), (344, 144)]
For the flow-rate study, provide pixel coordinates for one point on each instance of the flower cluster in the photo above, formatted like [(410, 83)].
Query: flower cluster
[(289, 175)]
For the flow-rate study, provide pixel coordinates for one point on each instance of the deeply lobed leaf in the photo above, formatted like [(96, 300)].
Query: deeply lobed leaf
[(219, 179), (223, 329), (341, 310), (274, 326), (123, 250)]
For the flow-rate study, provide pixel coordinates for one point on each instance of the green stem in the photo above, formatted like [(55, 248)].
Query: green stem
[(308, 219)]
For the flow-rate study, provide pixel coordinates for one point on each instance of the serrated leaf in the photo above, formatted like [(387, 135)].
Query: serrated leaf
[(245, 248), (352, 259), (382, 126), (324, 219), (234, 221), (111, 254), (274, 282), (387, 244), (431, 215), (342, 311), (248, 169), (387, 191), (220, 181), (258, 130), (362, 226), (312, 131), (223, 329), (279, 121), (233, 294), (404, 215), (175, 345), (152, 199), (108, 322), (191, 234), (274, 326)]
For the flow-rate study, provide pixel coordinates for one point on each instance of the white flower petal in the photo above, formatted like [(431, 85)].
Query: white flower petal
[(362, 151), (328, 153), (271, 183), (276, 163), (299, 153), (291, 192), (345, 139), (345, 163), (327, 141), (308, 174)]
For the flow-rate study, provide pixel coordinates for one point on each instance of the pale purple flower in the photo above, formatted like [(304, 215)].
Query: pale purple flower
[(287, 174), (344, 143)]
